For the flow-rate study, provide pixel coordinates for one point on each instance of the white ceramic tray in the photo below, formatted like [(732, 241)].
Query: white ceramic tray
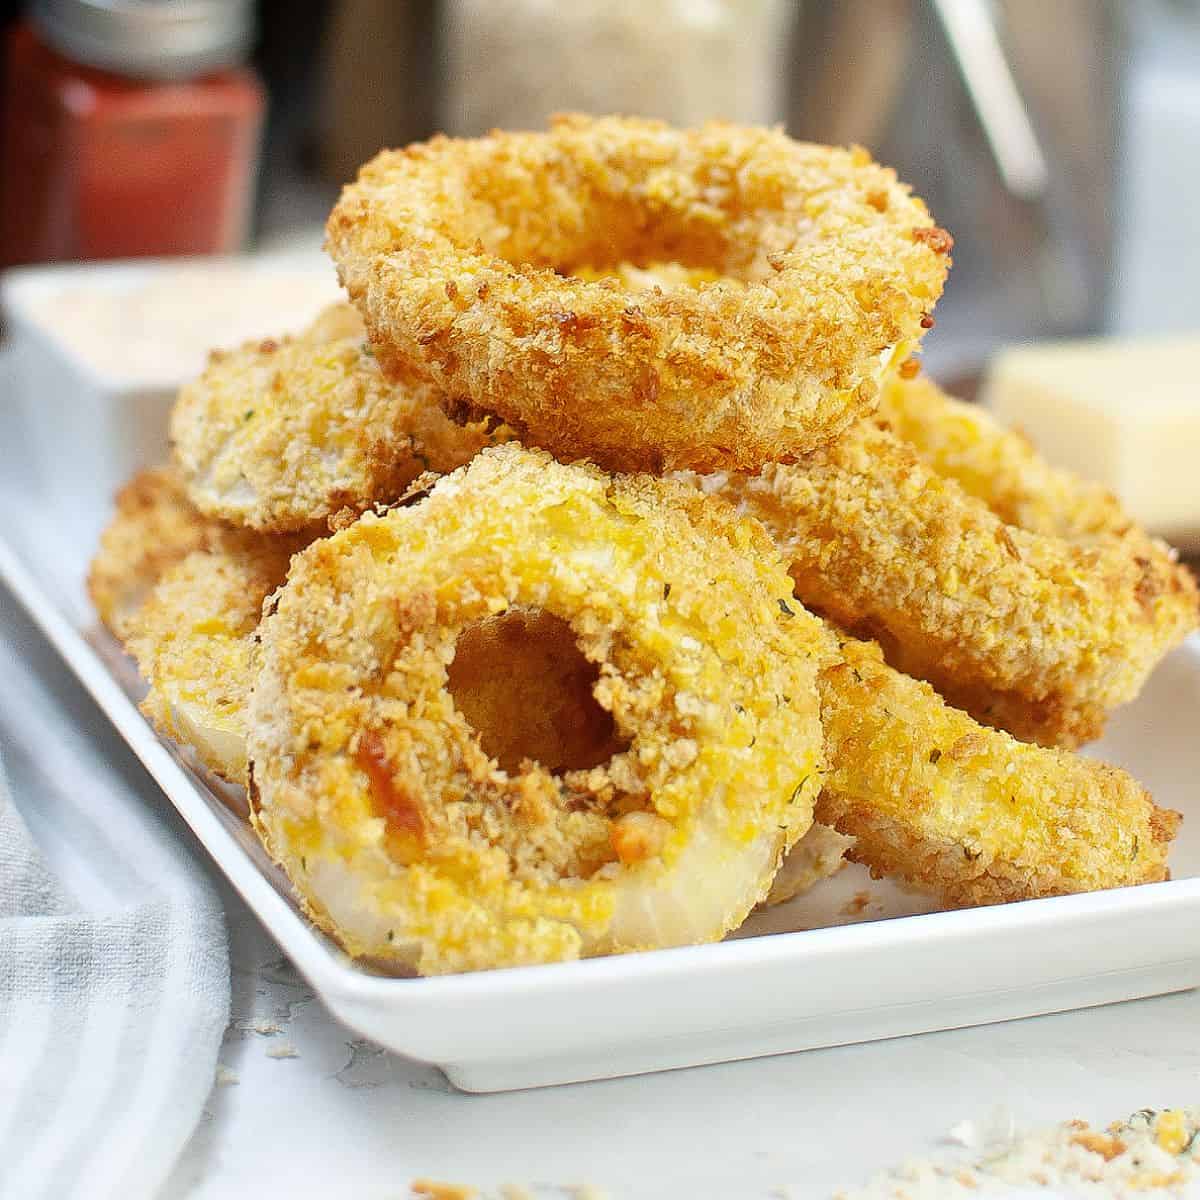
[(820, 971)]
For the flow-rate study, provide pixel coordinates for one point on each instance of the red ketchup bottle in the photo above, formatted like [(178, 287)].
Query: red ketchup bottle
[(131, 128)]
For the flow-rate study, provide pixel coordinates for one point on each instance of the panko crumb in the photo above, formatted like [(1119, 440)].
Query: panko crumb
[(1151, 1151), (225, 1077), (283, 1050), (433, 1189)]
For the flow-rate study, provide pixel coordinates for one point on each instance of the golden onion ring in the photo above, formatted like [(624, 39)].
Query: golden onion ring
[(958, 809), (154, 526), (1029, 632), (409, 843), (966, 812), (192, 641), (1000, 466), (459, 254), (282, 434)]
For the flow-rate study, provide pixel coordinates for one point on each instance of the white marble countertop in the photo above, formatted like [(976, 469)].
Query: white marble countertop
[(309, 1110)]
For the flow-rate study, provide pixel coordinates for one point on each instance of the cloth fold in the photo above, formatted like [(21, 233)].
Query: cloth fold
[(114, 972)]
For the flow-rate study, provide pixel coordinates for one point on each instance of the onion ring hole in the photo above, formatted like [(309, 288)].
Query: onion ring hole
[(523, 684)]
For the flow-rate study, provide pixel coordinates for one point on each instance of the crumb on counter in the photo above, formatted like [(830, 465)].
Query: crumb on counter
[(283, 1050), (1153, 1150), (433, 1189)]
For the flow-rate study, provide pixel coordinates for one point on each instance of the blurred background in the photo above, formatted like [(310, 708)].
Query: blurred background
[(1058, 140)]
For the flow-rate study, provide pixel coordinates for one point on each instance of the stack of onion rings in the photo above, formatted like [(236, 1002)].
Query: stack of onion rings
[(280, 435), (531, 711)]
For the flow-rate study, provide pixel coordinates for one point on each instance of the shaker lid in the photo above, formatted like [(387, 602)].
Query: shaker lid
[(153, 39)]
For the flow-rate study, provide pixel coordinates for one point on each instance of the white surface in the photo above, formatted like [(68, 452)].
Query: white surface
[(749, 996), (345, 1118)]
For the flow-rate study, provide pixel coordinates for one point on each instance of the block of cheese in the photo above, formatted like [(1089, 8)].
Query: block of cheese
[(1125, 413)]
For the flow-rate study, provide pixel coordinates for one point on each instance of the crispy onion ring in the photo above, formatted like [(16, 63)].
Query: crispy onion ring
[(282, 434), (955, 808), (1027, 631), (969, 813), (1000, 466), (408, 842), (458, 253), (154, 526), (193, 640)]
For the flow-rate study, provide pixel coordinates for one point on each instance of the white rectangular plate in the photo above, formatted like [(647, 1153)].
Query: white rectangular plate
[(853, 961)]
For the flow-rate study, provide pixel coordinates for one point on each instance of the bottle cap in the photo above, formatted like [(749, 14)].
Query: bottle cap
[(150, 39)]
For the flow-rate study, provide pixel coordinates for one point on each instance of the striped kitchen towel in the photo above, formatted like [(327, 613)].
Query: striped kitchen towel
[(114, 975)]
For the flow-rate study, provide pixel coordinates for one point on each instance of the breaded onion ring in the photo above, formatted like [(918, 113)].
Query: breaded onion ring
[(154, 526), (521, 682), (969, 813), (279, 435), (459, 252), (1027, 632), (960, 810), (1000, 466), (966, 812), (192, 641), (408, 842)]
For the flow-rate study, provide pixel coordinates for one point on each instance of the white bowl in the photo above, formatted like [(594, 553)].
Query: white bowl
[(99, 351)]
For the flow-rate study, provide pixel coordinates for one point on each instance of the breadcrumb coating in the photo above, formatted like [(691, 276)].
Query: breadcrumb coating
[(1000, 466), (154, 526), (970, 813), (407, 841), (193, 640), (281, 434), (1027, 632), (460, 255)]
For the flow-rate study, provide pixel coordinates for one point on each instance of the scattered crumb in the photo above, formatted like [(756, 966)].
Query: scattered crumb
[(587, 1191), (1098, 1143), (514, 1191), (431, 1189), (856, 905), (283, 1050), (226, 1077), (263, 1026), (1152, 1150)]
